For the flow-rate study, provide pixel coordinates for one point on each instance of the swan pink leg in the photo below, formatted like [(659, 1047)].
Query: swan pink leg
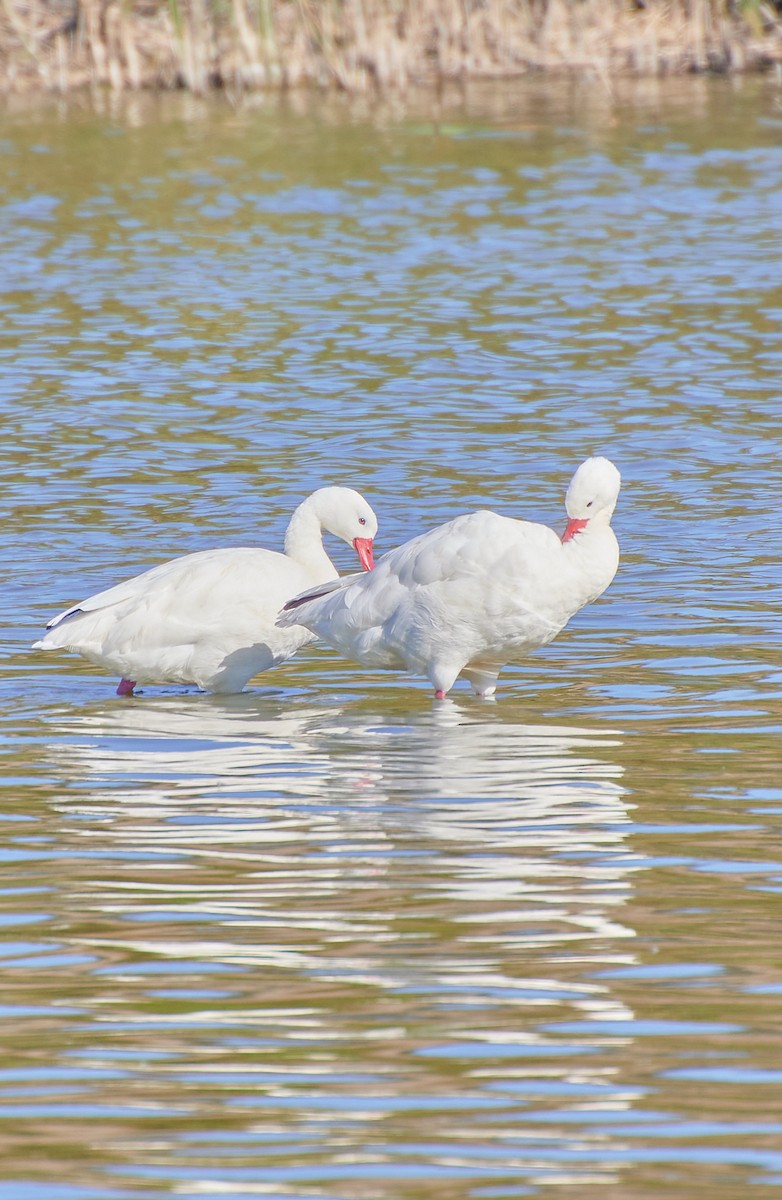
[(442, 677), (126, 687)]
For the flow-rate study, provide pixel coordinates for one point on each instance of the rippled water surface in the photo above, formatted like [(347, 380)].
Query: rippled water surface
[(330, 938)]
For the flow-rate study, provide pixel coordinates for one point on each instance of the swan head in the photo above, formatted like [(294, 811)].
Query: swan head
[(347, 515), (592, 495)]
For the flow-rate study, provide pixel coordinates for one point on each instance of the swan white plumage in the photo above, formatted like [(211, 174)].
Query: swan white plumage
[(209, 618), (474, 594)]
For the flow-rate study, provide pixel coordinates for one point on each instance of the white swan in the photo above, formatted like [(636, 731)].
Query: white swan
[(208, 618), (474, 594)]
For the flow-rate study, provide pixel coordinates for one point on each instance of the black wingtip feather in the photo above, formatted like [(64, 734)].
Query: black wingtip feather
[(299, 600), (59, 620)]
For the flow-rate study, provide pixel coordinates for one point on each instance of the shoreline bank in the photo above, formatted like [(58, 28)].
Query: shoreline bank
[(361, 46)]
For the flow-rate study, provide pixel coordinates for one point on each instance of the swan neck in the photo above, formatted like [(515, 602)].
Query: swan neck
[(593, 557), (304, 542)]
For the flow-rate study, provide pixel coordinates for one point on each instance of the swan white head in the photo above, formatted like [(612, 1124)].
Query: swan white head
[(346, 514), (592, 495)]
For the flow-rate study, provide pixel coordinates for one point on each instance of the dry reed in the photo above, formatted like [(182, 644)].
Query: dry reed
[(359, 45)]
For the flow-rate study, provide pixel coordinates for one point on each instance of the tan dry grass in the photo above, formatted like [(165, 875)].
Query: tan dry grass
[(359, 45)]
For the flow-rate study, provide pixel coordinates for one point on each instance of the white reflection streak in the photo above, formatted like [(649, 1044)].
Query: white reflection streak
[(541, 818), (516, 831)]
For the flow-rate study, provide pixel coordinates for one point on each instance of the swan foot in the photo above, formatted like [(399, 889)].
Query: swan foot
[(126, 687), (483, 682), (440, 694)]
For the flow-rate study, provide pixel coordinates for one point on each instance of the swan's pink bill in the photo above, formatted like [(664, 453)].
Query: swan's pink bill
[(574, 526), (363, 548)]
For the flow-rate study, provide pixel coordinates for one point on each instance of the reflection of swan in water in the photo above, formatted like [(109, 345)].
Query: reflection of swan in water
[(352, 860), (194, 745), (246, 776), (179, 748)]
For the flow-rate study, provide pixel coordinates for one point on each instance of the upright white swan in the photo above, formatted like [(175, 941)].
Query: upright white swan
[(474, 594), (209, 618)]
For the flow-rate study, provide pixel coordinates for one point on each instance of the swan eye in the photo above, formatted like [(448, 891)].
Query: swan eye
[(362, 520), (591, 502)]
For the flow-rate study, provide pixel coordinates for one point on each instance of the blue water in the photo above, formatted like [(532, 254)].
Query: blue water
[(329, 938)]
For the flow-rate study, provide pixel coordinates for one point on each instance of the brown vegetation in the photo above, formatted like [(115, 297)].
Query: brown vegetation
[(357, 45)]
